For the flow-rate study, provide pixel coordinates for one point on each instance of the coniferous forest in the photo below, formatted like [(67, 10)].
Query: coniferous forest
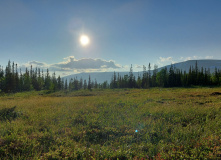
[(14, 80)]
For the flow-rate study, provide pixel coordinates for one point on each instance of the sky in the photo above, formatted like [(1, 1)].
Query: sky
[(45, 33)]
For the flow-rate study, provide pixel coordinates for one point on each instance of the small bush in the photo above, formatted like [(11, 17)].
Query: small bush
[(8, 114)]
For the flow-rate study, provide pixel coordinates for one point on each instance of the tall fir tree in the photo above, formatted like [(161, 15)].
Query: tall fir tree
[(89, 83)]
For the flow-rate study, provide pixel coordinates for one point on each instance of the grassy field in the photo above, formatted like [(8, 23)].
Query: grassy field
[(159, 123)]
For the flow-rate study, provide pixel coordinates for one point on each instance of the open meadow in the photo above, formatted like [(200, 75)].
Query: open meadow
[(157, 123)]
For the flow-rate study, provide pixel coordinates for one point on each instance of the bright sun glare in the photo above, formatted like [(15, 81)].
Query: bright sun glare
[(84, 40)]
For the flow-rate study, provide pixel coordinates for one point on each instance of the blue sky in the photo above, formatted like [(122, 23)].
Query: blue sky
[(45, 33)]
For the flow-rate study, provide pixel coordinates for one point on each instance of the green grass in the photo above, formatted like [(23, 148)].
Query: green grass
[(159, 123)]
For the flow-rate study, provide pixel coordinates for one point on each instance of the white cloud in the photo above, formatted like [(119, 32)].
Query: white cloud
[(72, 65), (168, 59), (34, 64), (209, 57), (165, 61), (138, 66), (195, 58), (86, 63)]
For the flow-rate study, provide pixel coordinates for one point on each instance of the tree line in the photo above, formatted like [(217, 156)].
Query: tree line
[(171, 77), (12, 80)]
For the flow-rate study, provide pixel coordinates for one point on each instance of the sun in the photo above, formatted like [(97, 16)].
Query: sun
[(84, 40)]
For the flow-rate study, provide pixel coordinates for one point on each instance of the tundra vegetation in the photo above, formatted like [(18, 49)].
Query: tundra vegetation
[(155, 123)]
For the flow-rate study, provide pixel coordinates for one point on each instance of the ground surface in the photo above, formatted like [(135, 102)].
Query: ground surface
[(157, 123)]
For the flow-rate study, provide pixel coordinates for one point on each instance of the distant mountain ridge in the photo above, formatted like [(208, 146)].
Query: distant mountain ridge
[(209, 64), (184, 66)]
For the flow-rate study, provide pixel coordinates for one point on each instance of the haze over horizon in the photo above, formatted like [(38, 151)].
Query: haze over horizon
[(48, 33)]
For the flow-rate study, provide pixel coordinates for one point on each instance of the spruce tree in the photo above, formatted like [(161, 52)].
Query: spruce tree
[(144, 78), (95, 84), (1, 79), (149, 76), (81, 83), (47, 80), (131, 78), (16, 79), (154, 76), (89, 83), (59, 83), (85, 84), (27, 81), (66, 85)]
